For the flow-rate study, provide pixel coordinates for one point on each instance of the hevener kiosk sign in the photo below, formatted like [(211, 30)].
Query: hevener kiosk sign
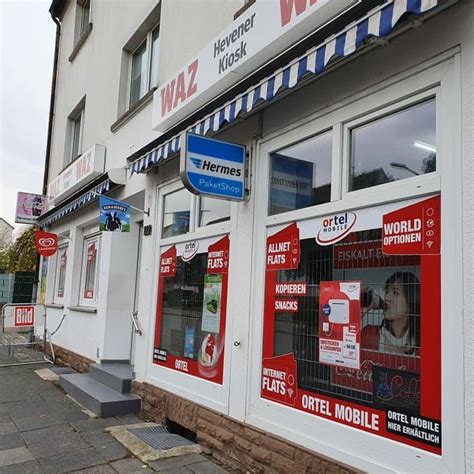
[(262, 32)]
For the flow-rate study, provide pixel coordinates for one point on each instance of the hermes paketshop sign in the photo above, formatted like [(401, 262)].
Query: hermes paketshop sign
[(87, 167), (259, 34)]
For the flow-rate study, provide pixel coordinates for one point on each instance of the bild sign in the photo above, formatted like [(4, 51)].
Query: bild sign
[(262, 32), (213, 168)]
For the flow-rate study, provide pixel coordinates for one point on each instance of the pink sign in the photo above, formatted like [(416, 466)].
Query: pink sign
[(29, 207)]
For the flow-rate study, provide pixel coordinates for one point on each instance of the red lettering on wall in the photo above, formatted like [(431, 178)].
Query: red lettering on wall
[(286, 9), (192, 70), (167, 94)]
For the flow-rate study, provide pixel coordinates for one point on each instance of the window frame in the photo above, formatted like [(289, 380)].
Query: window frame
[(443, 75), (57, 273), (148, 57), (75, 120), (348, 126), (83, 301)]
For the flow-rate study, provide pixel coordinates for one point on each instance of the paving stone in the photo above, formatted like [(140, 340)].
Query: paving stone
[(72, 461), (39, 421), (130, 466), (52, 435), (112, 451), (176, 470), (29, 467), (63, 446), (7, 428), (97, 437), (177, 461), (206, 467), (5, 418), (102, 469), (15, 456), (129, 419), (11, 441), (95, 423)]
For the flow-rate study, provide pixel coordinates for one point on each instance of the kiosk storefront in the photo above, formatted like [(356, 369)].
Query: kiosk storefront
[(324, 331)]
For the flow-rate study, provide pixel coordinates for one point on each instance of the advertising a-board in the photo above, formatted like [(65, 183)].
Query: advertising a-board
[(361, 345)]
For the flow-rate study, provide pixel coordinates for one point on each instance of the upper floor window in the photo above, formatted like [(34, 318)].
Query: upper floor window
[(144, 66), (74, 133), (83, 10)]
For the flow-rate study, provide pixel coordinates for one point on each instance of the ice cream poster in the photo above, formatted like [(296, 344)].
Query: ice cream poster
[(211, 304), (339, 323), (114, 215)]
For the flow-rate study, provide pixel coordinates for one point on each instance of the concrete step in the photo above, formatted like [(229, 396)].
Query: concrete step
[(97, 397), (118, 376)]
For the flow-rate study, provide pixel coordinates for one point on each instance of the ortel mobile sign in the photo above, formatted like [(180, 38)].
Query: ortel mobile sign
[(262, 32), (213, 168)]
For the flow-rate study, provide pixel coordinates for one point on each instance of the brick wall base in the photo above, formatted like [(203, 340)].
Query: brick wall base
[(236, 445), (65, 357)]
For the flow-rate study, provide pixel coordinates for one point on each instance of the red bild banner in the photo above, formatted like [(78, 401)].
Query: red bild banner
[(46, 243)]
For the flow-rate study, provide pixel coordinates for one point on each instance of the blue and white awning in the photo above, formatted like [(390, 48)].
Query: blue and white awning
[(376, 24), (76, 204)]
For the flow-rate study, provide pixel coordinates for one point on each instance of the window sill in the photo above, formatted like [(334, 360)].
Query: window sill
[(79, 43), (133, 110), (83, 309), (54, 305), (247, 5)]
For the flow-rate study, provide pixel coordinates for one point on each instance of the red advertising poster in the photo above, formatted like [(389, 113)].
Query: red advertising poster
[(191, 309), (279, 379), (283, 249), (357, 315), (46, 243), (168, 263), (413, 230), (339, 323), (24, 316)]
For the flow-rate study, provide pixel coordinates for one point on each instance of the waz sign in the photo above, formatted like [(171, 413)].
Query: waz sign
[(213, 168)]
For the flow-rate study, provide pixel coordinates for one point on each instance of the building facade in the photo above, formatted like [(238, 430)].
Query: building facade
[(322, 322)]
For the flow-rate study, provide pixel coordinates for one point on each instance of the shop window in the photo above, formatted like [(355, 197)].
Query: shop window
[(144, 67), (176, 213), (89, 275), (352, 319), (300, 175), (213, 211), (61, 266), (395, 147), (191, 310)]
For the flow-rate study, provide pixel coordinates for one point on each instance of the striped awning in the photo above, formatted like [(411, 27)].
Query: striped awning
[(378, 23), (81, 201)]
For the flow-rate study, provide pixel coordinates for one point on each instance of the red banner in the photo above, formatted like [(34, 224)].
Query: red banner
[(413, 230), (46, 243), (283, 249), (218, 256), (168, 263), (279, 380)]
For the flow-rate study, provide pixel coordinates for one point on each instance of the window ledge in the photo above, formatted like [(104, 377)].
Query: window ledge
[(79, 43), (246, 6), (133, 110), (83, 309), (54, 305)]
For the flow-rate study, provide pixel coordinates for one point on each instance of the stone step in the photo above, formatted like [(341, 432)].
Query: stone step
[(97, 397), (118, 376)]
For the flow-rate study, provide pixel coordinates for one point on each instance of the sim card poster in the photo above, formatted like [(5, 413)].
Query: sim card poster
[(392, 393), (339, 323)]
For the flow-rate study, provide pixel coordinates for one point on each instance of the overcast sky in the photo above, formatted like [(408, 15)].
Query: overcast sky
[(27, 35)]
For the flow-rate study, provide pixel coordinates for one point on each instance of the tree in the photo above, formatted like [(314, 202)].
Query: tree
[(20, 256)]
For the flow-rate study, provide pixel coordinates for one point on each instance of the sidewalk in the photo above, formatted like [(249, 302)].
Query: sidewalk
[(44, 431)]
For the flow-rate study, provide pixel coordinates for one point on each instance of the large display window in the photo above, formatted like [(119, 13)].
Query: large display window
[(352, 320), (192, 307)]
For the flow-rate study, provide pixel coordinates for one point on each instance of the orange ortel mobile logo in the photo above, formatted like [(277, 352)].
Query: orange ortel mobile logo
[(335, 228)]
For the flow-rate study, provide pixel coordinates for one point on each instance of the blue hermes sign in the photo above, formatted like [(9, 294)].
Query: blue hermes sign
[(213, 168)]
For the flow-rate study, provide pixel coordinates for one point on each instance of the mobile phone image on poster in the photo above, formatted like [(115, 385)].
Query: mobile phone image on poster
[(211, 303), (339, 323)]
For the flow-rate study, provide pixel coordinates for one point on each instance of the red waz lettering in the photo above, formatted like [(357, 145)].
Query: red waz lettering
[(286, 9), (176, 91)]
